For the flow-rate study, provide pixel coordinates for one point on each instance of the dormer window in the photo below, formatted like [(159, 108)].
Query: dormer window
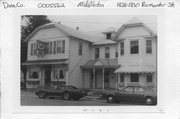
[(108, 35)]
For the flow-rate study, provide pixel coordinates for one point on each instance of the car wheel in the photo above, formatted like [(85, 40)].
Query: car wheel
[(148, 101), (110, 99), (66, 96), (42, 95)]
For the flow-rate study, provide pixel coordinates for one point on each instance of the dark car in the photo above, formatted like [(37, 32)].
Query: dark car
[(133, 93), (67, 92)]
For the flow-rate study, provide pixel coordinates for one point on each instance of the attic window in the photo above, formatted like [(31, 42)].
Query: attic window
[(108, 36)]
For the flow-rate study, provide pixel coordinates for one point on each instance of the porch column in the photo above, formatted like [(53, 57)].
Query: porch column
[(94, 71), (103, 78), (118, 80), (83, 78)]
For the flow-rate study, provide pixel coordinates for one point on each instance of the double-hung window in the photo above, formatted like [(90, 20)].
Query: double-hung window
[(96, 53), (134, 47), (63, 46), (149, 78), (106, 52), (122, 78), (59, 46), (32, 48), (134, 77), (33, 73), (80, 48), (50, 48), (122, 48), (148, 46), (54, 48)]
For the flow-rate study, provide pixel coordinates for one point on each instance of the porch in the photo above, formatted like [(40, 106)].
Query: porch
[(99, 74)]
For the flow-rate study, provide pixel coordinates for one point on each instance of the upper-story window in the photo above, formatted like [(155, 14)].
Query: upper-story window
[(96, 53), (80, 48), (32, 49), (148, 46), (59, 46), (134, 47), (108, 35), (54, 49), (122, 48), (63, 46), (47, 48), (106, 52)]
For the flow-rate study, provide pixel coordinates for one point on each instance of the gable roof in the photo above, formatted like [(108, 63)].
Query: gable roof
[(65, 29), (109, 63), (132, 23)]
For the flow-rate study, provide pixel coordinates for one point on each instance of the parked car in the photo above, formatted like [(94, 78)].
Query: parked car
[(67, 92), (133, 93)]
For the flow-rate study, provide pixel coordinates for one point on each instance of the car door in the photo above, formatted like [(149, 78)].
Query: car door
[(138, 93), (125, 94)]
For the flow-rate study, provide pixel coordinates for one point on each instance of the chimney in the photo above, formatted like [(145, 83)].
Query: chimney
[(77, 28)]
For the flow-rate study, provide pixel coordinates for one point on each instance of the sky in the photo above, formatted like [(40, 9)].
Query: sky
[(88, 23)]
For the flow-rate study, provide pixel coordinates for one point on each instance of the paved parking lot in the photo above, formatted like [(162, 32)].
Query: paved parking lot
[(30, 99)]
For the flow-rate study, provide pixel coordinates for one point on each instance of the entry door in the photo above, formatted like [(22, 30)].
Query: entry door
[(47, 76), (106, 79)]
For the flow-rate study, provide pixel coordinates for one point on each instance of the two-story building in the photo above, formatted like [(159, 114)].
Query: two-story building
[(55, 54), (98, 72), (137, 46), (58, 54)]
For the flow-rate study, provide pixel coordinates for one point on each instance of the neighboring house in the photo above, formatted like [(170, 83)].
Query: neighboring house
[(137, 45), (66, 49), (99, 71), (58, 54)]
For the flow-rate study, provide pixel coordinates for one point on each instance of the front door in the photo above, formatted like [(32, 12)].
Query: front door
[(106, 79), (47, 76)]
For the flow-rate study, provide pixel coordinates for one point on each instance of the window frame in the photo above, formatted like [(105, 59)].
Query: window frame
[(50, 47), (80, 49), (32, 48), (97, 50), (122, 77), (54, 47), (149, 46), (132, 48), (107, 52), (31, 71), (57, 74), (59, 47), (151, 80), (122, 48), (134, 78), (63, 46), (108, 36)]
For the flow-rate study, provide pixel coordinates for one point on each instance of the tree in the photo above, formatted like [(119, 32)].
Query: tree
[(28, 24)]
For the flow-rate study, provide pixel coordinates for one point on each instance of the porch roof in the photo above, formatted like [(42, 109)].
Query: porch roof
[(136, 69), (101, 63), (46, 62)]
